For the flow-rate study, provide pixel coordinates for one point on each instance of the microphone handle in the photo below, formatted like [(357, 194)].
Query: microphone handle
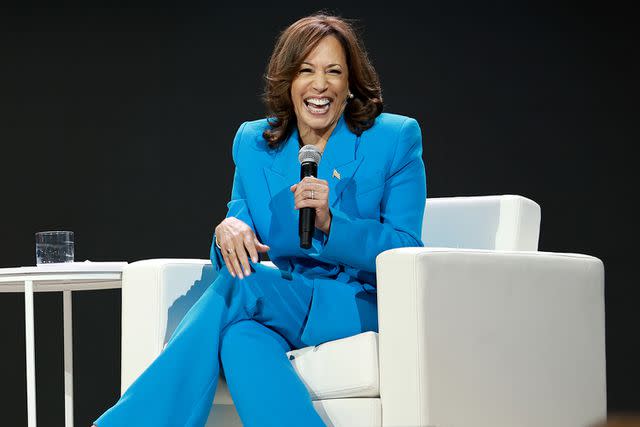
[(307, 216)]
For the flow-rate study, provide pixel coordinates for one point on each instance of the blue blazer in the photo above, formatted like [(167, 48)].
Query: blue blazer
[(377, 191)]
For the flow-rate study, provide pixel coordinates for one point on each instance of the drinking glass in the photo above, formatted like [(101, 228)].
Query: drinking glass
[(54, 247)]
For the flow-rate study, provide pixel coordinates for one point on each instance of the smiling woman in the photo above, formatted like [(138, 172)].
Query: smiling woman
[(368, 197), (320, 89), (318, 70)]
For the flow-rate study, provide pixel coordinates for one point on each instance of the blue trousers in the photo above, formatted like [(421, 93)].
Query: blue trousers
[(249, 324)]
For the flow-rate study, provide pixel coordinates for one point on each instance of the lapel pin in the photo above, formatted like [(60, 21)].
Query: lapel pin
[(336, 174)]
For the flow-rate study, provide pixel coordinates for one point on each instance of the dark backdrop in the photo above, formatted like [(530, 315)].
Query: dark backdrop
[(116, 122)]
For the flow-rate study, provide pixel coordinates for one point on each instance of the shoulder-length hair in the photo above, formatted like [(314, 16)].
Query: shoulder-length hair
[(292, 47)]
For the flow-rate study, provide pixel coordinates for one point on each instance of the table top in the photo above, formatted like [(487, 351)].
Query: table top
[(65, 268), (63, 276)]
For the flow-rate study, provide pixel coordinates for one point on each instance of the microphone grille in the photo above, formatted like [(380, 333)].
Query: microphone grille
[(309, 153)]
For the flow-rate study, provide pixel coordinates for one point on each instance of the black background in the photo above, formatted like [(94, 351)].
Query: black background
[(116, 122)]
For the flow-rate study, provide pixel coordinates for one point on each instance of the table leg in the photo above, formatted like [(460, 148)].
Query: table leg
[(31, 353), (67, 308)]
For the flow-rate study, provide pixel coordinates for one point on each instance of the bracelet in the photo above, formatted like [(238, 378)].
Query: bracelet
[(217, 244)]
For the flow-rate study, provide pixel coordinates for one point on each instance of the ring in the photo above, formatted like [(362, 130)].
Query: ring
[(229, 250), (312, 196)]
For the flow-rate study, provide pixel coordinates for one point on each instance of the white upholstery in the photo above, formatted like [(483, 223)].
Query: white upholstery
[(340, 369), (509, 223), (350, 412), (156, 294), (360, 412), (500, 335), (484, 338)]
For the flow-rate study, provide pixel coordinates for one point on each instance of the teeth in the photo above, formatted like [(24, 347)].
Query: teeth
[(318, 101), (316, 109)]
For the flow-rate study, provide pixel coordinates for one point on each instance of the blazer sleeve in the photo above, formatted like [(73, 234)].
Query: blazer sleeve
[(237, 206), (401, 210)]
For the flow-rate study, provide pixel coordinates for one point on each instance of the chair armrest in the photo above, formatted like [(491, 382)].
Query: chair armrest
[(491, 338), (156, 295), (506, 222)]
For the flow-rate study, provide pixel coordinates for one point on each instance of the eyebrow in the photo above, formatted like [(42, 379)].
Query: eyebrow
[(330, 65)]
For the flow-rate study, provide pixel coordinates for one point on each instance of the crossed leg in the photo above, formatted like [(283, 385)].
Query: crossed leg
[(178, 387), (265, 388)]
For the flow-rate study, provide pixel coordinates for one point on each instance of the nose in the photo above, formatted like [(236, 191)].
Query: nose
[(319, 82)]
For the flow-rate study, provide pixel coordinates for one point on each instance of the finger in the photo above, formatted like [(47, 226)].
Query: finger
[(233, 261), (305, 193), (225, 256), (236, 265), (228, 263), (310, 203), (318, 200), (249, 243), (241, 254), (233, 256), (261, 247), (300, 188), (304, 183), (317, 182), (317, 186)]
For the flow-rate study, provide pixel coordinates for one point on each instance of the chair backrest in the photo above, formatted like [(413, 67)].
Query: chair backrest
[(506, 222)]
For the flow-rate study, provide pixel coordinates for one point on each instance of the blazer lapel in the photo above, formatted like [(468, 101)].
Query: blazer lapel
[(285, 169), (337, 166), (339, 163)]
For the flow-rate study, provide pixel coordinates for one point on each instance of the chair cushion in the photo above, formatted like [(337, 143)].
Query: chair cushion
[(350, 412), (363, 412), (339, 369)]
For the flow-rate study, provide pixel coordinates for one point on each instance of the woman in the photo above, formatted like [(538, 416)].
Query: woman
[(369, 196)]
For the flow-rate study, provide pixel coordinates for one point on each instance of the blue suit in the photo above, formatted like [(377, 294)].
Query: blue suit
[(377, 194)]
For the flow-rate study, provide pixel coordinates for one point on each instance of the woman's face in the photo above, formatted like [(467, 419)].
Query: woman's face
[(320, 88)]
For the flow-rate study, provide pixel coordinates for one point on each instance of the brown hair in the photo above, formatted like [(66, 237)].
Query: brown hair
[(292, 47)]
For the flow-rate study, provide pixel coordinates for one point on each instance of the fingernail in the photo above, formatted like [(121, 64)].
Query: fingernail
[(254, 259), (240, 275)]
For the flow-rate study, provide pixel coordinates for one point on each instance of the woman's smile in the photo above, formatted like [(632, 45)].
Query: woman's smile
[(320, 89), (318, 106)]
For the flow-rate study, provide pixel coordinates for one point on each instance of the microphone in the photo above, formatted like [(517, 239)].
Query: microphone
[(309, 157)]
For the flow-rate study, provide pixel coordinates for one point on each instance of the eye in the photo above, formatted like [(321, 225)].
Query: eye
[(305, 70), (335, 71)]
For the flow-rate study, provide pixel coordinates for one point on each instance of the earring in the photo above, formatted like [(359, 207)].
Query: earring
[(350, 95)]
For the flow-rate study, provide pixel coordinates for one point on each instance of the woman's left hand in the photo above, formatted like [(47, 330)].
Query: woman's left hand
[(320, 201)]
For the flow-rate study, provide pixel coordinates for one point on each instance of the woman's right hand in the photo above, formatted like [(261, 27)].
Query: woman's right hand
[(237, 240)]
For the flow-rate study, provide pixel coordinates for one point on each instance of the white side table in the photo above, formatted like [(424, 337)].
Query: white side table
[(65, 278)]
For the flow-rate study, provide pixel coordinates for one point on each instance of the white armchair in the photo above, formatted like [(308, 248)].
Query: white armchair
[(475, 329)]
